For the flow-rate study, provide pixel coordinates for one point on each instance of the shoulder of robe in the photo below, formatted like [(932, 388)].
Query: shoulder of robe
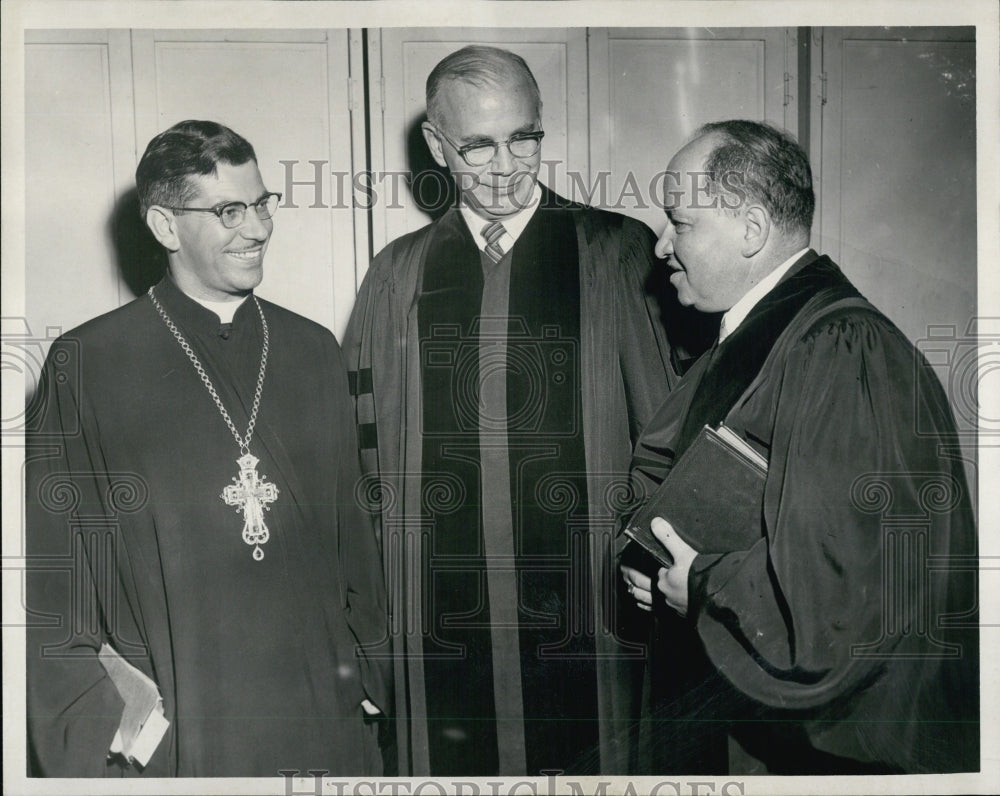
[(852, 328), (304, 328), (107, 341), (862, 344), (118, 322), (397, 255)]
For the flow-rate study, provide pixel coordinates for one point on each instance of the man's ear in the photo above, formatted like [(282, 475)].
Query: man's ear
[(433, 144), (757, 230), (163, 224)]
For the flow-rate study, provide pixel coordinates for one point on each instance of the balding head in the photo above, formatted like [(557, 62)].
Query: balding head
[(482, 67), (757, 163)]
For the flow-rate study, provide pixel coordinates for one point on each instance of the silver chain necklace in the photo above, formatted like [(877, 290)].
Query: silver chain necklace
[(249, 492)]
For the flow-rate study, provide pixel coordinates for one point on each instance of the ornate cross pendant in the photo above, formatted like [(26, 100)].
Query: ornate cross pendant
[(252, 494)]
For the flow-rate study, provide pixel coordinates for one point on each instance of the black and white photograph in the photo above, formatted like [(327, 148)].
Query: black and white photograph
[(498, 397)]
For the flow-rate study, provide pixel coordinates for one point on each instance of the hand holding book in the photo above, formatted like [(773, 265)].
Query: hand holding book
[(712, 498), (671, 581)]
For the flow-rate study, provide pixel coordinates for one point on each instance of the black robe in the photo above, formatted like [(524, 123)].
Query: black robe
[(262, 665), (497, 408), (845, 640)]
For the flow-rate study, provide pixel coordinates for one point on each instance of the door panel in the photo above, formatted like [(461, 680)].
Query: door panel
[(902, 219), (897, 189), (78, 158), (652, 87)]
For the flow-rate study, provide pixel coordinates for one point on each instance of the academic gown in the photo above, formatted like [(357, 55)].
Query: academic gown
[(497, 519), (845, 639), (262, 665)]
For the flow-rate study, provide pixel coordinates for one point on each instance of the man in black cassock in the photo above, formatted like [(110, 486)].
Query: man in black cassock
[(191, 511), (504, 358), (844, 640)]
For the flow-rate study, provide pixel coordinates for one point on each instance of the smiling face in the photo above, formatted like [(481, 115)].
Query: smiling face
[(704, 243), (209, 261), (471, 114)]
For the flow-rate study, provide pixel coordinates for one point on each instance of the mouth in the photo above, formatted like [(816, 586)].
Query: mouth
[(503, 190), (511, 184), (246, 255)]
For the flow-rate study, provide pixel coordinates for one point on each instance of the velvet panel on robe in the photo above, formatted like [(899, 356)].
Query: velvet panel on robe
[(624, 371), (262, 665), (509, 665), (846, 638)]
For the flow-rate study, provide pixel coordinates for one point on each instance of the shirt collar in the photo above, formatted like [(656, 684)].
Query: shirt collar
[(188, 313), (739, 311), (514, 225), (224, 309)]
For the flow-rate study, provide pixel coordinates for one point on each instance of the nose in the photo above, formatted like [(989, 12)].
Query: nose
[(665, 245), (254, 227), (503, 162)]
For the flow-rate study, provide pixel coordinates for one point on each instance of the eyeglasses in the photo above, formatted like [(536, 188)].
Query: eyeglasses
[(232, 214), (479, 153)]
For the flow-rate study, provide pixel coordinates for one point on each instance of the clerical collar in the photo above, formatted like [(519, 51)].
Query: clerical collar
[(192, 315), (224, 309), (739, 311), (514, 224)]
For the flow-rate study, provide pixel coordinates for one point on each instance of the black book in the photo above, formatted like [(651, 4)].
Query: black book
[(713, 497)]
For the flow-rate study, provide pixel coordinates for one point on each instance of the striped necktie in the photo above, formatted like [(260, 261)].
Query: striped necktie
[(492, 233)]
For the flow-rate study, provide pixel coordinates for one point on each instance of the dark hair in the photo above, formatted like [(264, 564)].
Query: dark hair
[(481, 66), (757, 162), (188, 149)]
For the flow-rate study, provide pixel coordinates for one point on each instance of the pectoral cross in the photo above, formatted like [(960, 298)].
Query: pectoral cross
[(251, 493)]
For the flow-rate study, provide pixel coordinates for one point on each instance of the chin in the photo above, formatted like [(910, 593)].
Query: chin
[(683, 294), (491, 208), (248, 282), (504, 211), (505, 205)]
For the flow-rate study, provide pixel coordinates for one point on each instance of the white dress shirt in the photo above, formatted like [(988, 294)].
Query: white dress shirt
[(513, 225), (739, 311)]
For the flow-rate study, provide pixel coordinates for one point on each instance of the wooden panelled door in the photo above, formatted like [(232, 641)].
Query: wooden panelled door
[(894, 125), (79, 162), (650, 88)]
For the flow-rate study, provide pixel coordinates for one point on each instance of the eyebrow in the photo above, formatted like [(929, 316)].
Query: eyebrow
[(224, 202), (531, 127)]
